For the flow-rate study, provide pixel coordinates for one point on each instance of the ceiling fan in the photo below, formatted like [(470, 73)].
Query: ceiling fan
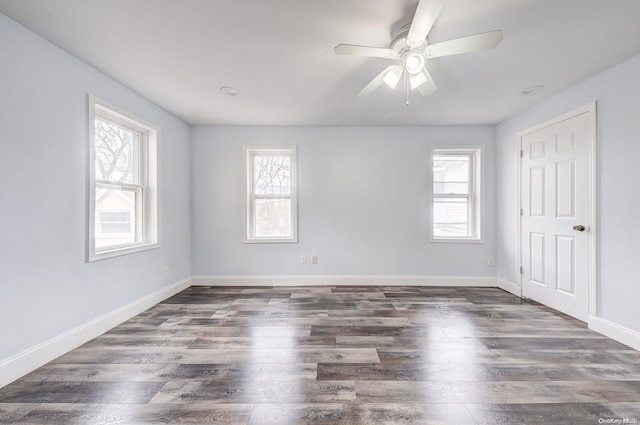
[(410, 49)]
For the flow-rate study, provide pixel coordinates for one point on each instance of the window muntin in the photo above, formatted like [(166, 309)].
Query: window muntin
[(455, 194), (123, 214), (270, 214)]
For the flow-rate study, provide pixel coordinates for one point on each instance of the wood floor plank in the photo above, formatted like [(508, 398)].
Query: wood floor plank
[(555, 413), (79, 392), (445, 372), (244, 372), (302, 391), (336, 355), (361, 414), (102, 372), (138, 414), (517, 392), (12, 413)]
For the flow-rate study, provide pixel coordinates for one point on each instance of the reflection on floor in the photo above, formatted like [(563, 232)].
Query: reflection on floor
[(336, 355)]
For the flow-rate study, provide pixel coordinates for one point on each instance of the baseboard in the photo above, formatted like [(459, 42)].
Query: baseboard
[(510, 287), (22, 363), (341, 280), (620, 333)]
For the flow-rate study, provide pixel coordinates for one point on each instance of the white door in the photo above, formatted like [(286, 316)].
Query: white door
[(555, 215)]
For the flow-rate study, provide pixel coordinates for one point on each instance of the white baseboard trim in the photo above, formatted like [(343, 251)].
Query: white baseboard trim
[(509, 287), (22, 363), (620, 333), (340, 280)]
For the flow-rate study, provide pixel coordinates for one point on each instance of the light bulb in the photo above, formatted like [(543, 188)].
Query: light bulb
[(413, 63), (392, 77), (417, 80)]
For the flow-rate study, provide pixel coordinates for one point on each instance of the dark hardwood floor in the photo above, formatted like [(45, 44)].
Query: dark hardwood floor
[(337, 355)]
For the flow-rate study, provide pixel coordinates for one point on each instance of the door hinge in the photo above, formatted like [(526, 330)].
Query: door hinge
[(521, 270), (521, 211), (521, 153)]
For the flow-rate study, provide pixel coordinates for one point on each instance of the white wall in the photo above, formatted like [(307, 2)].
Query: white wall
[(363, 206), (46, 288), (617, 92)]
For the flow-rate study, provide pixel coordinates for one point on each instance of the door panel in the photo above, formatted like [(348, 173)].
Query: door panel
[(565, 254), (537, 192), (565, 193), (537, 258)]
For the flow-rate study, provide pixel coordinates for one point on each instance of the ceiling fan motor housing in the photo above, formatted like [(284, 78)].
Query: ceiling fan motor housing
[(410, 57)]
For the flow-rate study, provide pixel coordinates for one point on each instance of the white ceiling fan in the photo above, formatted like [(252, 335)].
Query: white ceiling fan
[(410, 49)]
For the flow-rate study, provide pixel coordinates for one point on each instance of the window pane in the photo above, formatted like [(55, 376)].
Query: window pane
[(273, 217), (272, 174), (445, 188), (115, 216), (450, 210), (115, 227), (115, 153), (451, 174), (450, 230), (451, 168), (118, 216)]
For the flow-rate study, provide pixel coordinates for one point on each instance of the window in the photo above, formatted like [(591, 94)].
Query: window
[(270, 194), (456, 194), (123, 215)]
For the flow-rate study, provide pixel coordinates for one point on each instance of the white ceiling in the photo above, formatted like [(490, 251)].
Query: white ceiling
[(279, 55)]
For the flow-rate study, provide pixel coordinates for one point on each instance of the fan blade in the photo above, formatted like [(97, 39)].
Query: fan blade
[(423, 20), (472, 43), (377, 81), (428, 86), (374, 52)]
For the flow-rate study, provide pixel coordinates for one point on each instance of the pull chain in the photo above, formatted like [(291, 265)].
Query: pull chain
[(406, 86)]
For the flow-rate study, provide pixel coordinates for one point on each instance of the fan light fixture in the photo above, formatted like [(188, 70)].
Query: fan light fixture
[(414, 63), (392, 77), (417, 80)]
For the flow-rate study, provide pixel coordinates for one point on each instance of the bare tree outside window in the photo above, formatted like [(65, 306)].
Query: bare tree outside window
[(114, 153), (116, 156), (272, 177), (272, 174)]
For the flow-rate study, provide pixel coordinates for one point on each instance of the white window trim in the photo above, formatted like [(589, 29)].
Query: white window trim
[(248, 152), (477, 192), (148, 220)]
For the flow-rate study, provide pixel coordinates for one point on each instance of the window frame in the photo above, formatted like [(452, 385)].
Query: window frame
[(249, 196), (146, 215), (476, 155)]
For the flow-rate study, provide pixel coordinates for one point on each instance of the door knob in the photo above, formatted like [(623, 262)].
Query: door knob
[(579, 228)]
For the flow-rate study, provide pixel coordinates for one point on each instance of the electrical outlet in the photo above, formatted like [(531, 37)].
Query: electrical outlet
[(303, 259), (166, 271), (490, 261), (314, 259)]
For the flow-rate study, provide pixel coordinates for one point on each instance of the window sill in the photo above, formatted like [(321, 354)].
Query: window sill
[(456, 240), (117, 252), (250, 241)]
